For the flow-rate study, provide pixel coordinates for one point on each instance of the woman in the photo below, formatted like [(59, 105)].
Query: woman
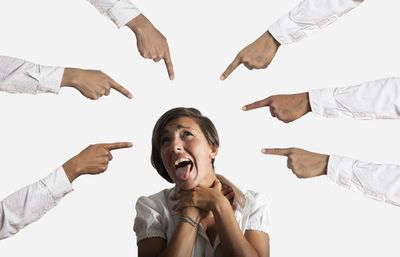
[(199, 216)]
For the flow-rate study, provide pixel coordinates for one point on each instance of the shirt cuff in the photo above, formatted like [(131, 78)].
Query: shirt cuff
[(340, 170), (122, 12), (285, 31), (58, 184), (49, 78), (322, 102)]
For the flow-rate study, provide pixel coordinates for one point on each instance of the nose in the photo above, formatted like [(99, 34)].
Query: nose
[(177, 146)]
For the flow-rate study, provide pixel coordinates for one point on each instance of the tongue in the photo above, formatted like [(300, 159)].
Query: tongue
[(183, 172)]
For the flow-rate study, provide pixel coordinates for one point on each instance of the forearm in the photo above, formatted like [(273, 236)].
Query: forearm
[(233, 242), (20, 76), (29, 203), (182, 241), (378, 99), (377, 181)]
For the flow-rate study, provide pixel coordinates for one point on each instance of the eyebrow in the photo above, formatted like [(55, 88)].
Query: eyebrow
[(178, 127)]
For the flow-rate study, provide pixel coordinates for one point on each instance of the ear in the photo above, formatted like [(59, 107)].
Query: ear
[(214, 151)]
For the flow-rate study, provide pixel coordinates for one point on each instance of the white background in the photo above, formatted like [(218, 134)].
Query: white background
[(309, 217)]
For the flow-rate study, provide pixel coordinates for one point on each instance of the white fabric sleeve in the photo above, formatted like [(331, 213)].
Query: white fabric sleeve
[(148, 221), (259, 213), (118, 11), (377, 181), (31, 202), (307, 16), (20, 76), (378, 99)]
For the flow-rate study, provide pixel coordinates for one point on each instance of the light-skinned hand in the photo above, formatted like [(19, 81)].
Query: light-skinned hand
[(257, 55), (92, 160), (304, 164), (151, 43), (203, 198), (91, 83), (286, 108)]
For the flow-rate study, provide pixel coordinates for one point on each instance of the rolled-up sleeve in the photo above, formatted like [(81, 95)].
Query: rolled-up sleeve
[(20, 76), (30, 203), (377, 181), (307, 16), (118, 11)]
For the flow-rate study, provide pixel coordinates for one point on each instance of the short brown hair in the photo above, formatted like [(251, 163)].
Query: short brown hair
[(205, 124)]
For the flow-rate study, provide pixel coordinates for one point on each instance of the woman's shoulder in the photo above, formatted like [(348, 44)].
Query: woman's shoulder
[(255, 199), (157, 200)]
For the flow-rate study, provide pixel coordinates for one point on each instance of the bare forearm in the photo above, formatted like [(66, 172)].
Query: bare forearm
[(184, 237), (182, 242), (233, 242)]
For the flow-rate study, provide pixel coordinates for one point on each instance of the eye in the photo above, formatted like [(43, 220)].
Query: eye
[(187, 133), (165, 140)]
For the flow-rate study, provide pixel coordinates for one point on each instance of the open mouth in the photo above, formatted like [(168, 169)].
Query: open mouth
[(183, 167)]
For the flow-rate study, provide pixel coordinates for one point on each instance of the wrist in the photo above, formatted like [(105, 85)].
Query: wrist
[(139, 24), (220, 205), (307, 101), (325, 164), (70, 77), (193, 213), (71, 169), (273, 40)]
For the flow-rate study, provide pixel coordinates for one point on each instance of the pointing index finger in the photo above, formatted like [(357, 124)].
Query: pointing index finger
[(169, 65), (236, 62), (256, 105), (121, 89), (118, 145), (276, 151)]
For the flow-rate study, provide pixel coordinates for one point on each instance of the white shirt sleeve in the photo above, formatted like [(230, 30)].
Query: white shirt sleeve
[(307, 16), (378, 99), (31, 202), (118, 11), (377, 181), (20, 76), (148, 222), (258, 212)]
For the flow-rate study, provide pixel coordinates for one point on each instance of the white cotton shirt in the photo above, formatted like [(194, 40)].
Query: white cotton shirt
[(307, 16), (377, 99), (30, 203), (118, 11), (20, 76), (377, 181), (155, 218)]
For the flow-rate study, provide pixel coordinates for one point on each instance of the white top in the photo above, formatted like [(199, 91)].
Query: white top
[(20, 76), (119, 11), (377, 181), (31, 202), (307, 16), (155, 218)]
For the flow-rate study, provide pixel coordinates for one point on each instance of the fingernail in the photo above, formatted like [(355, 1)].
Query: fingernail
[(264, 150), (172, 77), (222, 77), (244, 108)]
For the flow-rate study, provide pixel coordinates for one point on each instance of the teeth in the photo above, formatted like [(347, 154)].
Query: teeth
[(180, 160)]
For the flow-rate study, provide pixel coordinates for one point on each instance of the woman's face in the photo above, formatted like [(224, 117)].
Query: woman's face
[(186, 154)]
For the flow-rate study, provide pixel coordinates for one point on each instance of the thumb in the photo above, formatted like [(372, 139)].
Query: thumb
[(217, 185)]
